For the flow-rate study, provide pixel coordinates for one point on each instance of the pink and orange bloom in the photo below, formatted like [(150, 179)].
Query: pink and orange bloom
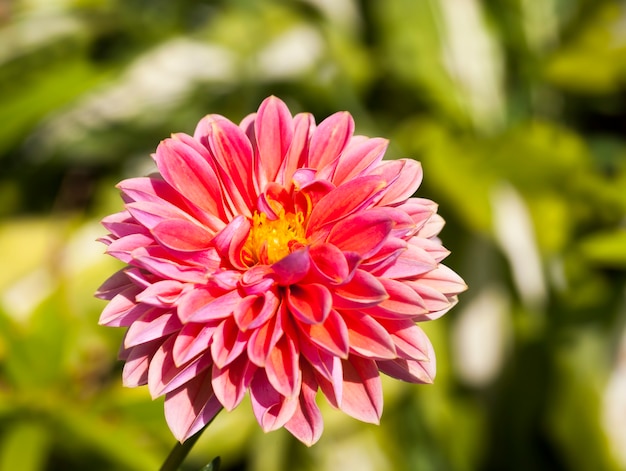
[(280, 258)]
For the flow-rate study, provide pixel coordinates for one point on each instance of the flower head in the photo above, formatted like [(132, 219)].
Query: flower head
[(280, 258)]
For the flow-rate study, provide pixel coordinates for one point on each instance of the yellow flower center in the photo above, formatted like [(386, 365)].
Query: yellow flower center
[(272, 239)]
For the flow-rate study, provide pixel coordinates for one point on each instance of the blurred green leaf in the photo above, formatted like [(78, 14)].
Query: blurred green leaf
[(25, 447), (606, 248), (575, 403), (594, 61)]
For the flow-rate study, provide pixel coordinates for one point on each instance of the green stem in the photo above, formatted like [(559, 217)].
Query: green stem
[(180, 452)]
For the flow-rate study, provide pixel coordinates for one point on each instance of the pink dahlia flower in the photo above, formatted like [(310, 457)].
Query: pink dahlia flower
[(280, 258)]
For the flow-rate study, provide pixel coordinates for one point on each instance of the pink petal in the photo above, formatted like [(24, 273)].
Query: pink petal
[(403, 177), (324, 363), (263, 340), (306, 423), (154, 189), (192, 340), (432, 227), (123, 247), (191, 407), (410, 340), (254, 311), (192, 300), (119, 306), (443, 279), (228, 342), (274, 199), (343, 201), (412, 371), (122, 224), (154, 324), (122, 220), (113, 285), (362, 233), (218, 308), (419, 210), (360, 155), (332, 389), (189, 171), (329, 263), (140, 277), (403, 301), (310, 303), (255, 281), (137, 362), (282, 368), (385, 256), (233, 155), (303, 125), (329, 139), (230, 241), (362, 291), (161, 294), (435, 302), (230, 383), (367, 337), (273, 131), (165, 376), (271, 409), (157, 261), (331, 335), (416, 370), (181, 234), (292, 268), (149, 214), (362, 390), (413, 261)]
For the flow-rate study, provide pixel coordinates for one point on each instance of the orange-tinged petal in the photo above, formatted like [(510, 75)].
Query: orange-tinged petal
[(361, 154), (282, 369), (228, 342), (306, 422), (255, 310), (273, 130), (303, 126), (309, 303), (362, 233), (233, 154), (331, 335), (362, 291), (189, 171), (263, 340), (367, 337), (362, 390), (181, 234), (329, 264), (404, 176), (329, 139), (231, 382), (343, 201)]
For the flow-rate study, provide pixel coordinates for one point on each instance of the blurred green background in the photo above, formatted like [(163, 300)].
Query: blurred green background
[(517, 111)]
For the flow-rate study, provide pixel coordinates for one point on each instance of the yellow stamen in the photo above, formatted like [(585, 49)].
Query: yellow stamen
[(272, 239)]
